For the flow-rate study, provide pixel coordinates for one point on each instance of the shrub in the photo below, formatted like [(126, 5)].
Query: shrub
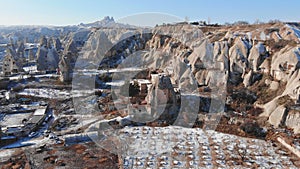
[(253, 128), (286, 100)]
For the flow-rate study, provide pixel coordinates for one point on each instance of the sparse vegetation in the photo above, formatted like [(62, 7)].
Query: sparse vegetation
[(264, 94), (280, 44), (286, 101)]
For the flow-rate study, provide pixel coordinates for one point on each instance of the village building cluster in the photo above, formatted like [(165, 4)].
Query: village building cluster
[(22, 121)]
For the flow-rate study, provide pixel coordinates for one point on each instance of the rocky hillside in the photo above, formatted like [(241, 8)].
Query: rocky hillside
[(255, 66)]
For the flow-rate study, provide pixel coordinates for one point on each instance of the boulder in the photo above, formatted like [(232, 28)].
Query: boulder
[(269, 107)]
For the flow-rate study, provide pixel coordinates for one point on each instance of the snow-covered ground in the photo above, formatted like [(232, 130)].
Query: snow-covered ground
[(177, 147), (96, 71), (295, 29), (12, 119), (18, 77), (32, 68), (36, 140), (6, 154), (54, 93)]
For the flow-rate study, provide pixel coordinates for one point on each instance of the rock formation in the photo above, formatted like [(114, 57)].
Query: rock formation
[(47, 56), (12, 63), (65, 70), (212, 58), (161, 96), (30, 55), (57, 44), (71, 51)]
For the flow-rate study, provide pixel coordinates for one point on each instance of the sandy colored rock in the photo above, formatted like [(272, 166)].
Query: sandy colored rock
[(257, 56), (274, 85), (248, 79), (293, 121), (277, 116)]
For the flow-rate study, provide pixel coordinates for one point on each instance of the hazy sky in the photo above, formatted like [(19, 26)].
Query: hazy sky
[(71, 12)]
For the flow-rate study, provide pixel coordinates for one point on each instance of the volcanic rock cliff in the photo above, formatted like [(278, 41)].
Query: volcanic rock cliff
[(261, 59)]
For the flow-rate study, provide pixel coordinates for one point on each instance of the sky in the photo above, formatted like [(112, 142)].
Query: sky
[(73, 12)]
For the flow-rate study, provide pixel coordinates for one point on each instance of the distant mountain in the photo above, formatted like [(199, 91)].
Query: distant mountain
[(107, 22), (102, 23), (32, 33)]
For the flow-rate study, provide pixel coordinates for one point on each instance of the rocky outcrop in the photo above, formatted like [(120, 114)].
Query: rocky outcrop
[(265, 67), (43, 41), (13, 61), (106, 22), (293, 86), (161, 92), (293, 121), (101, 43), (47, 56), (161, 96), (285, 62), (71, 52), (248, 79), (257, 55), (238, 54), (65, 70), (31, 56), (57, 44), (79, 37), (277, 116), (221, 52), (21, 50)]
